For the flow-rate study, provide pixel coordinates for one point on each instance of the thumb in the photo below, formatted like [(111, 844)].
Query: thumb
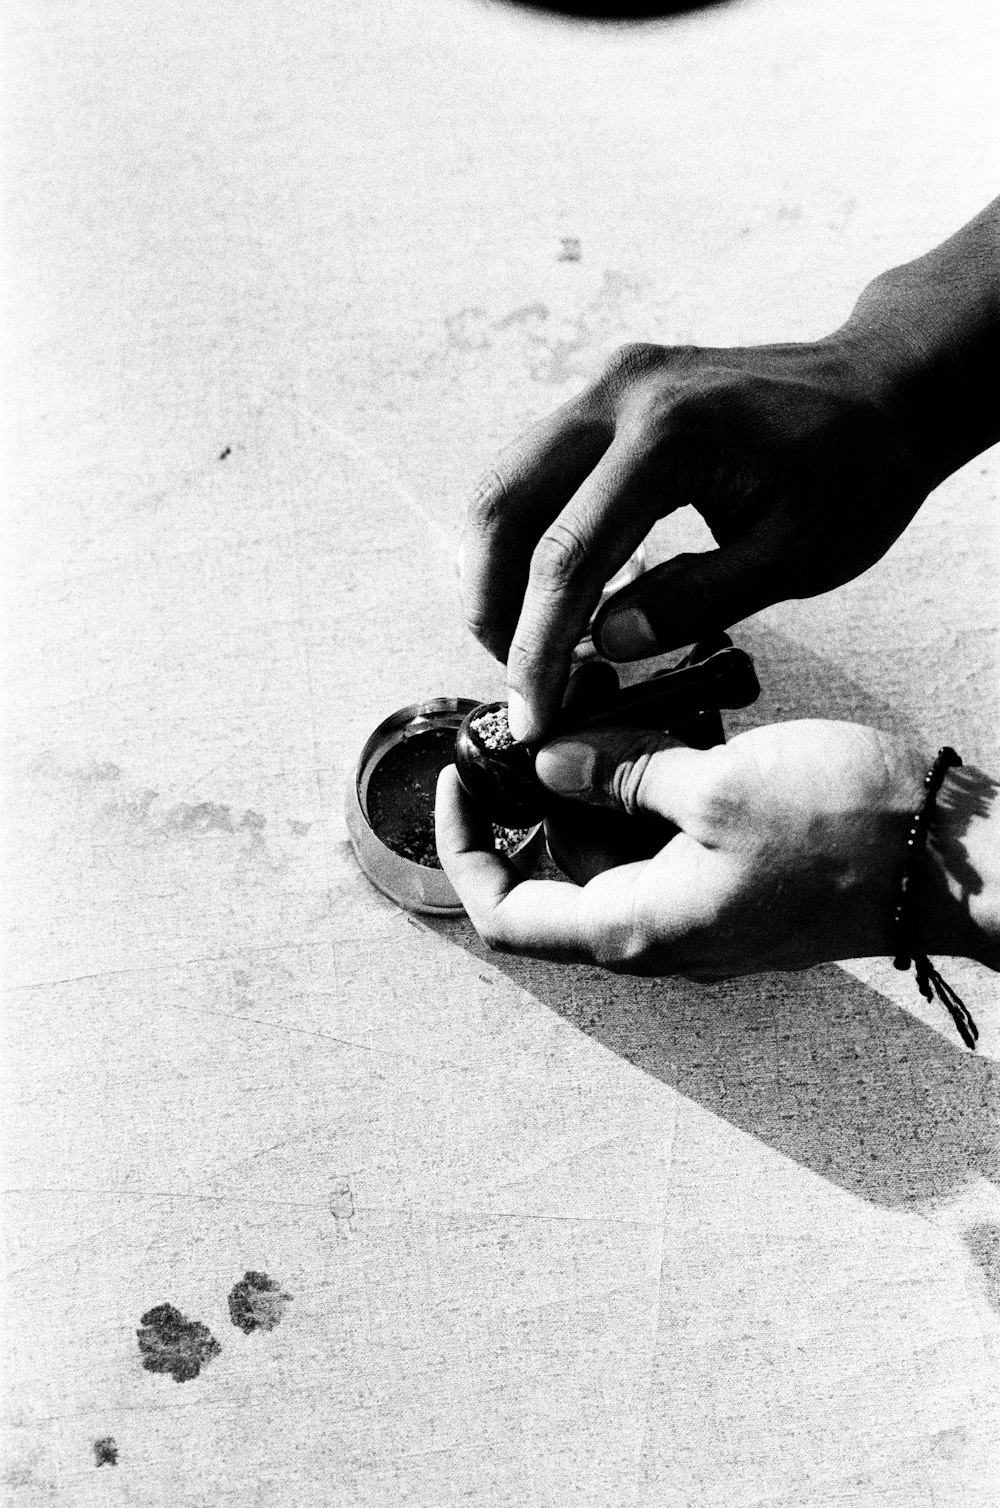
[(631, 770), (688, 598)]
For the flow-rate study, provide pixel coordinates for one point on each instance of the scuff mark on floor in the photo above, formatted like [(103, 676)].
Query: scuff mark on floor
[(342, 1207), (553, 345), (209, 816)]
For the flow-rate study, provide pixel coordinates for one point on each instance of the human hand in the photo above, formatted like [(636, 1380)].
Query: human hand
[(803, 470), (786, 851)]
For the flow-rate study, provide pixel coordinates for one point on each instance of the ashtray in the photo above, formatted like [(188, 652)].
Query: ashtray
[(389, 806)]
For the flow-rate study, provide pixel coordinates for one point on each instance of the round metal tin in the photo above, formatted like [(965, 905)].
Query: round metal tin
[(414, 886)]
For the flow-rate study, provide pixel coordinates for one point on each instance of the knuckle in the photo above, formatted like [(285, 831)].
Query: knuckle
[(559, 557), (659, 376), (522, 659), (723, 803), (619, 946), (621, 962), (629, 779), (720, 797), (491, 936), (606, 953), (629, 362), (660, 407), (660, 394), (488, 501)]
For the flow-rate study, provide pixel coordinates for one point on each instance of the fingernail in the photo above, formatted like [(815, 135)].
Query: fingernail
[(518, 720), (627, 635), (567, 767)]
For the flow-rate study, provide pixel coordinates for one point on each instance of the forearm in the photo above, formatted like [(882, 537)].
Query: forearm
[(926, 337)]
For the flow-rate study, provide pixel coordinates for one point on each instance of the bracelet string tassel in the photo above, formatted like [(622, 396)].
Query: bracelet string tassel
[(929, 980), (928, 975)]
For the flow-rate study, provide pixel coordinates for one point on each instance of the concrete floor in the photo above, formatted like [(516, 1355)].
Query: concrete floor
[(284, 278)]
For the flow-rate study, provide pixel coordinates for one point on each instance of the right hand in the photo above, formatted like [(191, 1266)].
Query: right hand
[(802, 470)]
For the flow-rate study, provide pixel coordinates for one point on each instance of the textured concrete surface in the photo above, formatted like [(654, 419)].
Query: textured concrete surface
[(284, 277)]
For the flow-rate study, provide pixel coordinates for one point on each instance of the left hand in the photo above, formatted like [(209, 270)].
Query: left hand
[(785, 851)]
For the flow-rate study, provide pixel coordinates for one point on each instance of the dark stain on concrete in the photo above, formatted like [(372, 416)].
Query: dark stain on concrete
[(526, 314), (199, 817), (468, 330), (171, 1343), (98, 772), (105, 1451), (210, 816), (257, 1303)]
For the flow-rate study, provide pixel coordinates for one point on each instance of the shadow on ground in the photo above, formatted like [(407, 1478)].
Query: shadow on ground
[(816, 1065)]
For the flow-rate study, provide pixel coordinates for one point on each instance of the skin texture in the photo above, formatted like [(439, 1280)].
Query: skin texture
[(783, 849), (746, 436), (806, 462)]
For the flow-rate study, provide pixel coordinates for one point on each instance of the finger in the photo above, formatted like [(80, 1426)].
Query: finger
[(517, 499), (567, 923), (607, 922), (625, 918), (540, 917), (691, 596), (465, 846), (636, 772), (591, 687), (606, 520), (584, 840)]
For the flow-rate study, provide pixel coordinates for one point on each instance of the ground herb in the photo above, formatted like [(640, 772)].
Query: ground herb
[(494, 729)]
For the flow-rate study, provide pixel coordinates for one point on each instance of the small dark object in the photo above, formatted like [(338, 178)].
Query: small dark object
[(927, 974), (499, 774), (171, 1343), (227, 452), (105, 1451)]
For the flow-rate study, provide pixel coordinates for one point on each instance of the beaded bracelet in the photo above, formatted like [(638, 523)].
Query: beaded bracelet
[(927, 974)]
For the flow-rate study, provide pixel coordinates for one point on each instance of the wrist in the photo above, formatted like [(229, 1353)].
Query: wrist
[(957, 911), (924, 342)]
